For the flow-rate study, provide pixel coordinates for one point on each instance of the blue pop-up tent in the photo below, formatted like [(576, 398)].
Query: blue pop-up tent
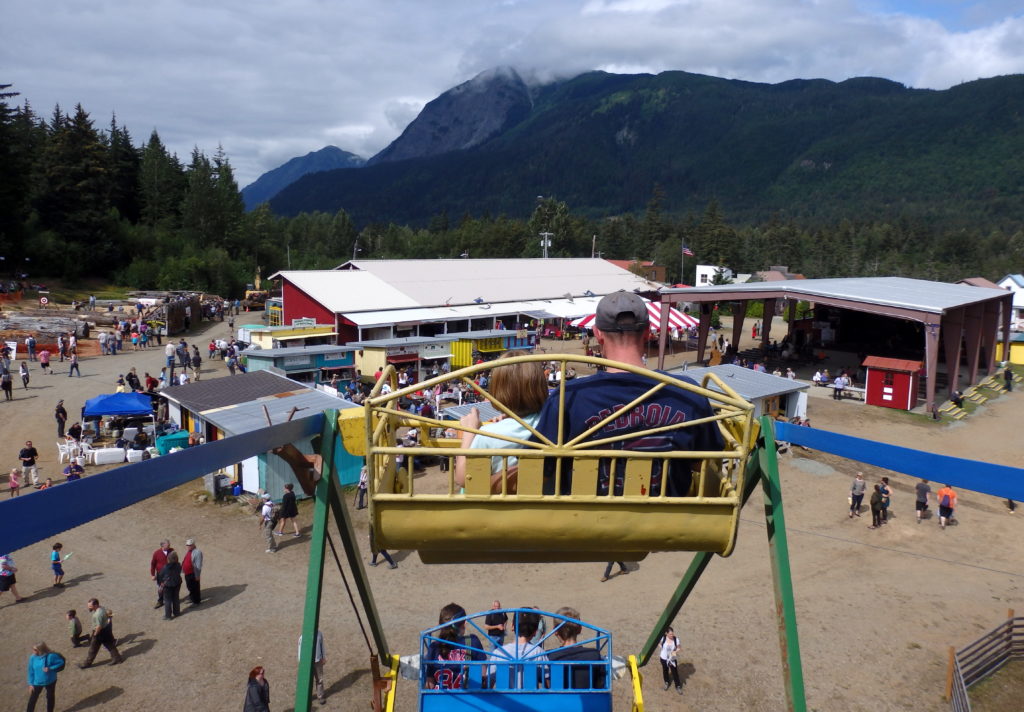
[(118, 404)]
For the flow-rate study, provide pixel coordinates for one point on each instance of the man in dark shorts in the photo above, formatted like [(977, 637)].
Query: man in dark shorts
[(923, 491), (621, 325), (947, 503)]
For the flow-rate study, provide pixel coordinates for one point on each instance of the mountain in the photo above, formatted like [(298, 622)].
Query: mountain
[(272, 182), (463, 117), (811, 149)]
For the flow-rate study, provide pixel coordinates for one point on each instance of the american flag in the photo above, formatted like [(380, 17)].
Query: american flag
[(687, 251)]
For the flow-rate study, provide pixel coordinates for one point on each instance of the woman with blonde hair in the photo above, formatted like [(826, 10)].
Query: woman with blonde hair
[(520, 387)]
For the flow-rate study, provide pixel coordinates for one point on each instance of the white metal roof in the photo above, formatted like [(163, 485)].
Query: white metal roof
[(344, 292), (544, 308), (902, 292), (461, 281)]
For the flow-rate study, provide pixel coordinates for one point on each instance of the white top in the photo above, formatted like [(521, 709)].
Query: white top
[(517, 651), (508, 426), (668, 648)]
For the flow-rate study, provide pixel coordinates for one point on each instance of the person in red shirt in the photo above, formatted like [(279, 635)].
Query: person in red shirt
[(151, 383), (156, 564), (191, 568)]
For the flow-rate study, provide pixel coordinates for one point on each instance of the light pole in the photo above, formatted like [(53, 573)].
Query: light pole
[(356, 249)]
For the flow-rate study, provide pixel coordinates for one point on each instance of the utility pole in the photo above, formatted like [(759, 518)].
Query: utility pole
[(545, 242), (593, 246)]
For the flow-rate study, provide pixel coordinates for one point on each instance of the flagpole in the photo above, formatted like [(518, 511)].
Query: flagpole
[(682, 259)]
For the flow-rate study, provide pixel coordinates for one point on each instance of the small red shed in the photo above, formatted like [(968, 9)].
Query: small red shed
[(892, 382)]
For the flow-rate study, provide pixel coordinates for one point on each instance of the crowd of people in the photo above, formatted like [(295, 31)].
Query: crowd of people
[(880, 501)]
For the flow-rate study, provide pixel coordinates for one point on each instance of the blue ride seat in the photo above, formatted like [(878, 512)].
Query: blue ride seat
[(509, 679)]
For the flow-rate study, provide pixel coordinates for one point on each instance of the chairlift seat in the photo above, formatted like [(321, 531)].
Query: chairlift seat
[(531, 524)]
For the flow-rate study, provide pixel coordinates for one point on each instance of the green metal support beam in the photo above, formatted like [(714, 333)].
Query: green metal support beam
[(315, 575), (782, 575)]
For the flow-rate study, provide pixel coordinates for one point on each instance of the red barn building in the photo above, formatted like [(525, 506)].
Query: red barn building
[(892, 382)]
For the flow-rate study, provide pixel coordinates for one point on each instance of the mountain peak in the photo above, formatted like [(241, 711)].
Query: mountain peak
[(273, 182), (463, 117)]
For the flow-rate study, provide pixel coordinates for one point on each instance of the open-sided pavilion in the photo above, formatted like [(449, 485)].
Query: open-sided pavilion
[(964, 319)]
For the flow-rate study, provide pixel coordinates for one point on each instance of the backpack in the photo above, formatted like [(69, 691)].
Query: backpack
[(58, 665), (945, 500)]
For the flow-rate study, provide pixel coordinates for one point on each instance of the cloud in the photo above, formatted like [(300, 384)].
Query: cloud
[(272, 80)]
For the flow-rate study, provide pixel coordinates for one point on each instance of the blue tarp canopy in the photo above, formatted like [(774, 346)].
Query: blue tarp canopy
[(118, 404)]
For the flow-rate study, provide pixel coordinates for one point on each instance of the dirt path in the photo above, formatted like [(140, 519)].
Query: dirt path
[(876, 609)]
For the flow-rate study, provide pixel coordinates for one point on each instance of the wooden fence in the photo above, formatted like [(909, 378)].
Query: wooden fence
[(975, 662)]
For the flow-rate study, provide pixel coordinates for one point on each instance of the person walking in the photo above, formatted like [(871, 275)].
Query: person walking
[(923, 491), (8, 580), (318, 665), (947, 505), (191, 569), (257, 693), (28, 455), (74, 364), (44, 361), (669, 660), (102, 634), (857, 490), (361, 487), (23, 370), (1008, 379), (876, 508), (61, 416), (169, 579), (289, 511), (43, 666), (608, 570), (7, 384), (268, 520), (14, 482)]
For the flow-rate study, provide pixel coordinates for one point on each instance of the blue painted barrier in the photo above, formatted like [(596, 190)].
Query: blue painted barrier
[(42, 514), (987, 478)]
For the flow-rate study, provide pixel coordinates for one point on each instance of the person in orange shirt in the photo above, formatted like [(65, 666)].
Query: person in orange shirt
[(947, 503)]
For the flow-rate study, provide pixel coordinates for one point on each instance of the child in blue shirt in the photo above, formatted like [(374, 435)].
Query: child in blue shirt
[(55, 564)]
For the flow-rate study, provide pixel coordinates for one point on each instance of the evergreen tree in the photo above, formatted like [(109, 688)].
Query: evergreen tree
[(73, 203), (123, 168), (161, 185)]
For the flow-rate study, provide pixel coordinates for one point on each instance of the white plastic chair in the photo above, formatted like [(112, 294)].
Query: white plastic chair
[(88, 453), (63, 453), (130, 433)]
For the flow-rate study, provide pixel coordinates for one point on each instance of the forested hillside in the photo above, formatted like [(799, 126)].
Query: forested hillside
[(814, 150), (80, 201)]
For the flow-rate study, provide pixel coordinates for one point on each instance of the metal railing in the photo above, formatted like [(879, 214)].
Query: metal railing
[(982, 658)]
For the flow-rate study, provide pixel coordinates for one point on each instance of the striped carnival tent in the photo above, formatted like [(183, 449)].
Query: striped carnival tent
[(676, 319)]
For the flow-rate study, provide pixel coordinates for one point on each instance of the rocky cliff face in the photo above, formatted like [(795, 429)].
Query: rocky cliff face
[(466, 116), (273, 182)]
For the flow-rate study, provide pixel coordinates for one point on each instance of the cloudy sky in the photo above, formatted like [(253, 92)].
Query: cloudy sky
[(272, 80)]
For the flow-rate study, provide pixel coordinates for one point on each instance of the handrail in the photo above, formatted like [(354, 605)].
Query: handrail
[(733, 416), (637, 678)]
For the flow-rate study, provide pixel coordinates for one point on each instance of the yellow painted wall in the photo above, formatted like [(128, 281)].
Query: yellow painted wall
[(462, 354), (1016, 352), (369, 360)]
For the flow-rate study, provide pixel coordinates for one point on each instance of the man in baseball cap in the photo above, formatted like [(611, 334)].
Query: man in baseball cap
[(622, 328), (622, 312)]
